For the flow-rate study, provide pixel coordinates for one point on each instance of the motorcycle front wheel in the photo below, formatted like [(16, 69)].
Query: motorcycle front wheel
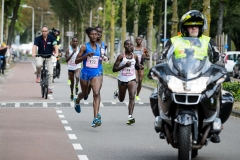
[(184, 142)]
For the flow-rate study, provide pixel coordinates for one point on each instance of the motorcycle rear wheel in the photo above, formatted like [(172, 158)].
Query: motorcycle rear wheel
[(184, 142)]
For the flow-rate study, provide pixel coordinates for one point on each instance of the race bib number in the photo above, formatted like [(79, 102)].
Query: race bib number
[(92, 62), (128, 71), (72, 62)]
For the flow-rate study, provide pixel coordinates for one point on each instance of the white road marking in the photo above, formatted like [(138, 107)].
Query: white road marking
[(61, 116), (101, 104), (31, 103), (17, 105), (68, 128), (114, 103), (59, 111), (3, 104), (77, 146), (59, 103), (86, 103), (126, 103), (72, 136), (64, 121), (45, 104), (140, 102), (82, 157)]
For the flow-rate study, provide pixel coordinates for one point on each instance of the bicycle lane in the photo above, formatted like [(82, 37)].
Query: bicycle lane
[(30, 132), (19, 84)]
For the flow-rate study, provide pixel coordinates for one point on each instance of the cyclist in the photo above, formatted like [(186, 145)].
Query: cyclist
[(126, 63), (56, 33), (46, 44), (73, 68), (104, 57), (90, 74), (142, 54)]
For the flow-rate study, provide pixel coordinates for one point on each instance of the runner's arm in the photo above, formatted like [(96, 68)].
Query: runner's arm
[(34, 49), (116, 66), (146, 55), (67, 55), (137, 65), (79, 57)]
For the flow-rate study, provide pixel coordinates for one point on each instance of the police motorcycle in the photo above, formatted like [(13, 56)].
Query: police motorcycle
[(56, 61), (189, 105)]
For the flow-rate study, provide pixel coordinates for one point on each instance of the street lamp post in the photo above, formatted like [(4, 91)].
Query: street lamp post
[(165, 22), (2, 21), (26, 6)]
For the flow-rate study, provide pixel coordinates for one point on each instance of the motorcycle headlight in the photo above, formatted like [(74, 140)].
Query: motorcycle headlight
[(154, 76), (221, 80)]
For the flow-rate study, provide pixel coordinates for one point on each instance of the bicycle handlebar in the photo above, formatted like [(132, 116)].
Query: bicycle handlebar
[(44, 55)]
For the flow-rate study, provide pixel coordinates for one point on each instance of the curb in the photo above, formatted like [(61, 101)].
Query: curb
[(235, 112)]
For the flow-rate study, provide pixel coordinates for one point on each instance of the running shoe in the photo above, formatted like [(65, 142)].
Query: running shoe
[(96, 122), (115, 94), (130, 120), (77, 106), (137, 98), (76, 90), (38, 79), (99, 116), (71, 97)]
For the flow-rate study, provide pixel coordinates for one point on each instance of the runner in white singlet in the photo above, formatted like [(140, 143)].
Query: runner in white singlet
[(126, 63), (73, 68)]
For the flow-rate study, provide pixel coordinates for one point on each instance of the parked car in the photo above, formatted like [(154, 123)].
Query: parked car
[(236, 69), (230, 59)]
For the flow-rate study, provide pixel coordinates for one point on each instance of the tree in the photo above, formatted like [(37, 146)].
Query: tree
[(220, 19), (12, 24), (207, 14), (124, 21), (174, 19), (150, 33), (136, 10), (112, 31)]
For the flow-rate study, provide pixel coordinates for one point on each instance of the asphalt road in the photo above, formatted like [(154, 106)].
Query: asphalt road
[(39, 129)]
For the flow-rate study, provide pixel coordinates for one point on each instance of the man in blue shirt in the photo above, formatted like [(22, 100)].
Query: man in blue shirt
[(46, 45)]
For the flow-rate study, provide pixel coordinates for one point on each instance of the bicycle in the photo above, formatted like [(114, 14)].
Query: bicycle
[(44, 76)]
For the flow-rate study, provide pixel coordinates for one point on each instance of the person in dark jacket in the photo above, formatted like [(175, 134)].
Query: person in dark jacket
[(3, 51)]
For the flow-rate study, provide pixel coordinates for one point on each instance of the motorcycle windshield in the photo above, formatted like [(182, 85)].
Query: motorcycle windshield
[(188, 57)]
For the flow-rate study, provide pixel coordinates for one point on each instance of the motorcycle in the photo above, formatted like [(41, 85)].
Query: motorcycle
[(56, 66), (189, 104)]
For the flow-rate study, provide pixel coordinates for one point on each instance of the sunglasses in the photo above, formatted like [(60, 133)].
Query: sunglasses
[(44, 31)]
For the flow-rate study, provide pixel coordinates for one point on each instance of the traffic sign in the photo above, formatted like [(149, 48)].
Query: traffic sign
[(69, 33), (163, 40), (226, 46)]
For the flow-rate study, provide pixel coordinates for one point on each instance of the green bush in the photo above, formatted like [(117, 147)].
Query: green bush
[(234, 88)]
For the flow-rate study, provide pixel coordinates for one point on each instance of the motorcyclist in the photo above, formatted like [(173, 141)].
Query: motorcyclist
[(192, 24), (56, 33)]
